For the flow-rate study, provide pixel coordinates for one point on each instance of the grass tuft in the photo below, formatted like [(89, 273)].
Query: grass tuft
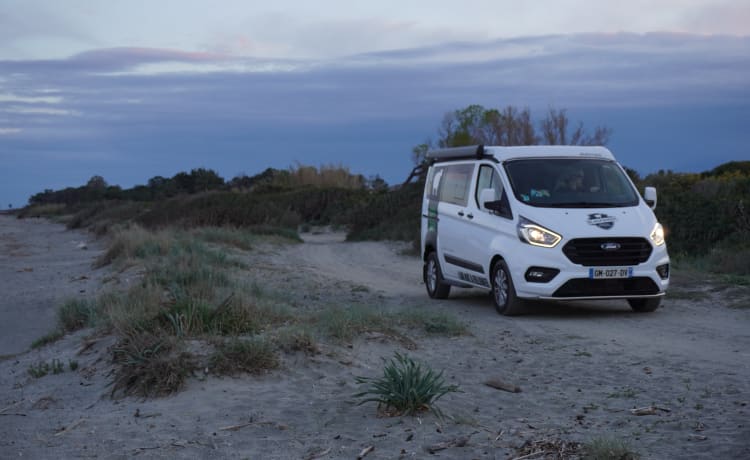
[(296, 338), (77, 314), (42, 368), (607, 449), (236, 356), (406, 387), (344, 324), (52, 337), (434, 322), (150, 365)]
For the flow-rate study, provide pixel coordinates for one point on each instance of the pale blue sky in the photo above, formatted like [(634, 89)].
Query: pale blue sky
[(134, 89)]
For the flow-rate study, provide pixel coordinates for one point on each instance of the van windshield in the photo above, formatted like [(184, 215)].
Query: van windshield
[(570, 183)]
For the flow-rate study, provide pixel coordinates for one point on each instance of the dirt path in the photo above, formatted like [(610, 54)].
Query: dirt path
[(582, 368), (41, 266), (704, 331)]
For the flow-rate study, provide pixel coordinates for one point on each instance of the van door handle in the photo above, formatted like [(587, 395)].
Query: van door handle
[(470, 216), (461, 213)]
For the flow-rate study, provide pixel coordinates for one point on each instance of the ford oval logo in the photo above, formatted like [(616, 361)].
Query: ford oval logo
[(610, 246)]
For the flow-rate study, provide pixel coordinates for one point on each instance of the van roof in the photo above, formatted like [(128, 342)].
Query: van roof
[(506, 153)]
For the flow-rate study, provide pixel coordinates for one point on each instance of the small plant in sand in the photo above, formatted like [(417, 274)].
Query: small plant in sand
[(406, 387), (43, 368), (607, 449)]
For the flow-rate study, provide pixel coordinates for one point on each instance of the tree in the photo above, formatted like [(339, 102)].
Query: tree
[(476, 124), (96, 183), (555, 131)]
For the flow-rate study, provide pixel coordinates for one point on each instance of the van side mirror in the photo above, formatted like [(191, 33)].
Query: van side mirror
[(649, 194), (487, 201), (486, 196)]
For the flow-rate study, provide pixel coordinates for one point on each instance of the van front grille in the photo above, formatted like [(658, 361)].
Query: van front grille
[(608, 252), (585, 287)]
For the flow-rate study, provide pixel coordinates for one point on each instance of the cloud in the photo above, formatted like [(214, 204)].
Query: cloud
[(159, 111)]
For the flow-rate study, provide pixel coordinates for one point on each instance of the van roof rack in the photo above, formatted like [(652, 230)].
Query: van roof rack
[(471, 152)]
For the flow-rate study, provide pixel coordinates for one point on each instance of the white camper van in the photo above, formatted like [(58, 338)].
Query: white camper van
[(540, 222)]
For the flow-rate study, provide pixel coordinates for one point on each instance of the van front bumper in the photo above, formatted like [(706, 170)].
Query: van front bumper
[(573, 281)]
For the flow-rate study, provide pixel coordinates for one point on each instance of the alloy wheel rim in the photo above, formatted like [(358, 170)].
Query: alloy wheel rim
[(431, 276), (501, 287)]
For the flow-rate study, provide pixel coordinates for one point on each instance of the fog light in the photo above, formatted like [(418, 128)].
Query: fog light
[(663, 271), (540, 274)]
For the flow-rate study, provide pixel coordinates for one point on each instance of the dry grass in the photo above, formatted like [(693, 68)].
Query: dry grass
[(150, 365), (253, 356)]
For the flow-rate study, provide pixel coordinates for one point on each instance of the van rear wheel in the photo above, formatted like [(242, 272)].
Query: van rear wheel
[(433, 278), (503, 291), (645, 305)]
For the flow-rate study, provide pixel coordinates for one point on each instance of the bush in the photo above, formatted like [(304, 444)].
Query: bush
[(405, 387)]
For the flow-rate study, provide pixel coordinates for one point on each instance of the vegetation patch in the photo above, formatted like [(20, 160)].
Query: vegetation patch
[(236, 356), (47, 339), (431, 322), (343, 324), (607, 449), (150, 365), (296, 339), (406, 387), (42, 368), (77, 314)]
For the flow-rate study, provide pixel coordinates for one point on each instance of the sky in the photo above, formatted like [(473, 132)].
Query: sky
[(129, 90)]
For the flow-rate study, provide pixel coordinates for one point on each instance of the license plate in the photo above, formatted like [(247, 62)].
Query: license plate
[(610, 272)]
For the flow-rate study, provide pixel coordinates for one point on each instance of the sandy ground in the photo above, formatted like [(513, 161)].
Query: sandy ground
[(581, 369), (41, 266)]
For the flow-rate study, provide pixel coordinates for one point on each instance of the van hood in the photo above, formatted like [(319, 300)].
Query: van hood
[(634, 221)]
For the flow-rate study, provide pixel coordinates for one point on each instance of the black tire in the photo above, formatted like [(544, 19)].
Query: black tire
[(645, 305), (503, 291), (433, 278)]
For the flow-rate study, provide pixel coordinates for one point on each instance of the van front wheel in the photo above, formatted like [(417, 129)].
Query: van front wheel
[(433, 278), (503, 292)]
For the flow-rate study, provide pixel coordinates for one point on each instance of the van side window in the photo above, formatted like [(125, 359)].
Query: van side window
[(489, 178), (433, 183), (454, 183)]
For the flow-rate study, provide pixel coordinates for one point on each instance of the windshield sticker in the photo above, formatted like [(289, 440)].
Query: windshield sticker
[(602, 220), (539, 193)]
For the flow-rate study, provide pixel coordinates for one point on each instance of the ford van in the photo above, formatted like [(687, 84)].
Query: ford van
[(540, 222)]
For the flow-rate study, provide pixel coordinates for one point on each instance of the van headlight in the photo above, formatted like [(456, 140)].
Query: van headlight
[(536, 235), (657, 234)]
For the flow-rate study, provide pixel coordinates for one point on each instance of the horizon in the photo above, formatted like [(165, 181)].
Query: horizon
[(130, 93)]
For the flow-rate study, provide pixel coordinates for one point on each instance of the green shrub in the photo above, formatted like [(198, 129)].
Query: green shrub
[(406, 387)]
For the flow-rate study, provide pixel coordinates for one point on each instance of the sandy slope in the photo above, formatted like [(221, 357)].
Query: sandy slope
[(581, 368)]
